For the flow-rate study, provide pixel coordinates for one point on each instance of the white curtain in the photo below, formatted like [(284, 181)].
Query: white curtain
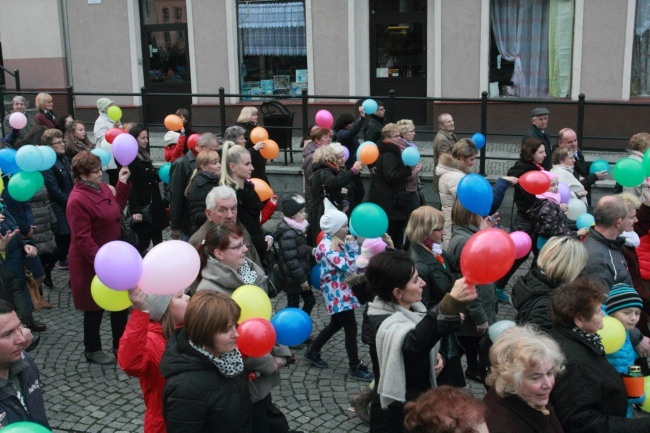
[(561, 18), (273, 29), (641, 56)]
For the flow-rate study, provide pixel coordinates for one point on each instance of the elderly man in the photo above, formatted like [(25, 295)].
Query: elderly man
[(179, 175), (569, 139), (442, 143), (604, 242), (539, 120), (19, 106)]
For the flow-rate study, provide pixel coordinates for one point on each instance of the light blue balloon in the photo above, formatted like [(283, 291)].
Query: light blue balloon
[(369, 220), (29, 158), (370, 106), (599, 165), (585, 220), (163, 172), (314, 277), (365, 143), (475, 194), (103, 154), (410, 156), (49, 157), (479, 140)]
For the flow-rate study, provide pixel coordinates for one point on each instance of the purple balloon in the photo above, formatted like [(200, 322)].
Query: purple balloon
[(125, 149), (118, 265), (565, 192), (346, 152)]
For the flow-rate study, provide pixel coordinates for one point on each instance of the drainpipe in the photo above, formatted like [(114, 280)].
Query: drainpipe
[(66, 42)]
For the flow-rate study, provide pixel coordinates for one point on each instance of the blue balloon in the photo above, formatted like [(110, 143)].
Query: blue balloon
[(369, 220), (49, 157), (370, 106), (29, 158), (365, 143), (585, 220), (599, 165), (475, 194), (410, 156), (314, 277), (292, 326), (163, 172), (479, 140), (8, 161), (103, 154), (353, 232)]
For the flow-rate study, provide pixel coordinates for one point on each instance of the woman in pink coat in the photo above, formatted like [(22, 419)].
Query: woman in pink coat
[(93, 211)]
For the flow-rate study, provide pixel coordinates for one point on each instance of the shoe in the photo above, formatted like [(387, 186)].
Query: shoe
[(361, 403), (35, 326), (64, 264), (502, 296), (361, 373), (99, 357), (473, 376), (314, 357), (48, 282), (34, 344)]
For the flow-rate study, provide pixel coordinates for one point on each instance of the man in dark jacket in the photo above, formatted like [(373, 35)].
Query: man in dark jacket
[(374, 123), (539, 120)]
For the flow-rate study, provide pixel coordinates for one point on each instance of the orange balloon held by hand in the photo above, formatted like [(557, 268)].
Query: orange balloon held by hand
[(262, 189), (369, 154), (173, 122), (259, 134), (271, 150)]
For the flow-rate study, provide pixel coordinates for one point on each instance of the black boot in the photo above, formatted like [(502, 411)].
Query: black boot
[(34, 325)]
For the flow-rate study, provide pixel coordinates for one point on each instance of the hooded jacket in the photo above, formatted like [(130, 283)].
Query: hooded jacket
[(531, 297), (606, 262)]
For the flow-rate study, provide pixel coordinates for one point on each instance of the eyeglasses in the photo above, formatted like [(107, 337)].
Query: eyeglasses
[(58, 142), (98, 171), (238, 247)]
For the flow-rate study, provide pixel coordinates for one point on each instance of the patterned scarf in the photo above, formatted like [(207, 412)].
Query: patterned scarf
[(247, 274), (592, 339), (92, 185), (229, 364)]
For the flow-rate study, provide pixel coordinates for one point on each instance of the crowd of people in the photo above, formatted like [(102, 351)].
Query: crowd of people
[(549, 373)]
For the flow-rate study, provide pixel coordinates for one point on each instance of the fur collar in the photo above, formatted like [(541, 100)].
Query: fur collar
[(388, 147), (451, 162)]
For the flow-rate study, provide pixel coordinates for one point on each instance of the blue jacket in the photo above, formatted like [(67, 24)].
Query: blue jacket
[(623, 357), (11, 408)]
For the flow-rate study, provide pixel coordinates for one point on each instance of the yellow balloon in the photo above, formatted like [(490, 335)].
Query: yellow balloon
[(646, 386), (2, 184), (114, 113), (612, 334), (109, 299), (253, 301)]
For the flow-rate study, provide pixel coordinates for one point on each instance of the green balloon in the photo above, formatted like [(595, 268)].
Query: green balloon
[(22, 185), (646, 162), (26, 427), (629, 172)]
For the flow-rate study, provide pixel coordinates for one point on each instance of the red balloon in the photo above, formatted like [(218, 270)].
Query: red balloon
[(320, 237), (535, 182), (192, 140), (112, 133), (487, 256), (256, 337)]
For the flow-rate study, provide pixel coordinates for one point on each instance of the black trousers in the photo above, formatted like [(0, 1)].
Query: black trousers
[(348, 322), (92, 323)]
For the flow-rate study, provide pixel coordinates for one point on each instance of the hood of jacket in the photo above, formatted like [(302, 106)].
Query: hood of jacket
[(223, 278), (535, 284), (388, 147), (614, 244), (448, 163)]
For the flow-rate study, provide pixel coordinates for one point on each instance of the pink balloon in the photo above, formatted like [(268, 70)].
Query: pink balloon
[(324, 119), (565, 192), (346, 152), (169, 267), (523, 243), (125, 148), (118, 265), (17, 120)]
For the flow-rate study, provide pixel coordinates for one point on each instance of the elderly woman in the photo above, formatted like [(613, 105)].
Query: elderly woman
[(45, 116), (206, 387), (236, 134), (407, 133), (563, 165), (525, 363), (93, 211), (19, 105), (405, 335), (559, 262), (589, 396)]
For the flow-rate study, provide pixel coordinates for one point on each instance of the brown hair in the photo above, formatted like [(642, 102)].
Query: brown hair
[(464, 148), (460, 216), (528, 149), (49, 135), (640, 142), (209, 313), (84, 163), (70, 138), (217, 238), (578, 299), (318, 133)]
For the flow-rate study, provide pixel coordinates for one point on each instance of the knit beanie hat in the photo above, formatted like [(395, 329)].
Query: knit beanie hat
[(171, 137), (332, 221), (103, 103), (157, 306), (622, 296), (369, 248), (292, 204)]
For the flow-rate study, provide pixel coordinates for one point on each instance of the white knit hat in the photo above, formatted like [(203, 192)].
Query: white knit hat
[(171, 137), (332, 221)]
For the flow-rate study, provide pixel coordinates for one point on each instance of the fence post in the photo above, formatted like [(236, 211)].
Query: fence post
[(222, 110), (145, 118), (17, 80), (484, 107), (391, 104), (70, 101), (2, 108), (581, 118), (305, 112)]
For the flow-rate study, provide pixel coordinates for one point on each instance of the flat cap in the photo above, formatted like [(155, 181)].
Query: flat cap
[(538, 112)]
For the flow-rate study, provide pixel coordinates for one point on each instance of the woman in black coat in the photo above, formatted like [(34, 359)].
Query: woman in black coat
[(248, 120), (205, 177), (145, 201)]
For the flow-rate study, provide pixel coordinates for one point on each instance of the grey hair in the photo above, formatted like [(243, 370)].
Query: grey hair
[(20, 98), (219, 193), (206, 139), (233, 132)]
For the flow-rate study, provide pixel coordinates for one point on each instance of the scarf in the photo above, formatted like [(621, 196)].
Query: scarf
[(143, 155), (229, 364), (591, 339), (210, 175), (94, 186), (631, 239), (436, 249), (550, 196), (301, 227), (247, 274)]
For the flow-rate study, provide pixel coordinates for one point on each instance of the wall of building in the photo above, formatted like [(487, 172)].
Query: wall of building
[(329, 51)]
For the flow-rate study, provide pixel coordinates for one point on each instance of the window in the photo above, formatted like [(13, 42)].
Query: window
[(165, 12), (531, 49), (178, 13), (641, 52), (272, 47), (168, 38)]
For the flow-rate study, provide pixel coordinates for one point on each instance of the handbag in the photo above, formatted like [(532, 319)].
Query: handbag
[(146, 214), (35, 293), (402, 199), (128, 234)]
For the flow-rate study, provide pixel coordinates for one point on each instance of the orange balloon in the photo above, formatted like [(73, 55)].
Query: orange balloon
[(271, 150), (369, 154), (259, 134), (262, 189), (173, 122)]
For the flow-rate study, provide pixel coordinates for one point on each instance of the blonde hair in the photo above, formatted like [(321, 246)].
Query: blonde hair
[(517, 350), (464, 148), (324, 154), (404, 125), (40, 99), (633, 202), (231, 153), (640, 142), (205, 157), (246, 114), (422, 222), (387, 129), (562, 259)]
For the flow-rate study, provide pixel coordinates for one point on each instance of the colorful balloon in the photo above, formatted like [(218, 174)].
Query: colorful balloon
[(125, 148), (361, 146), (23, 185), (103, 154), (314, 277), (320, 237), (25, 427), (346, 153), (576, 208), (487, 256), (112, 133), (534, 182), (479, 140), (114, 113), (497, 328), (17, 120), (585, 220), (253, 301), (263, 190), (475, 194), (369, 220), (369, 154), (109, 300), (645, 406), (523, 243), (292, 326), (256, 337), (29, 158), (410, 156), (599, 165), (192, 140), (118, 265), (370, 106), (271, 150), (628, 172), (258, 134), (8, 161), (49, 157), (612, 335), (565, 192), (173, 122), (324, 119), (163, 172), (159, 278)]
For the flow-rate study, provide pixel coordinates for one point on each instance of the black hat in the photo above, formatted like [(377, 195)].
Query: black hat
[(292, 204), (538, 112)]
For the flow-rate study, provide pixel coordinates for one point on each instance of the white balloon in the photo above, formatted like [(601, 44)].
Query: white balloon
[(497, 328), (576, 208)]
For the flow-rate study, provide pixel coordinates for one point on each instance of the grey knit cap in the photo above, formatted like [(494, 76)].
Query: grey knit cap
[(157, 306)]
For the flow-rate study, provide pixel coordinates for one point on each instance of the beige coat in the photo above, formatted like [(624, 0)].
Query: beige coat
[(450, 171)]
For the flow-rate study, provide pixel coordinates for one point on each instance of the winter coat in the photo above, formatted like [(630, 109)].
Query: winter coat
[(58, 181), (21, 132), (141, 349), (443, 142), (581, 169), (531, 297), (94, 218), (45, 118), (589, 396), (11, 409), (197, 397), (257, 160), (623, 357), (436, 275), (565, 175), (483, 308), (388, 179), (513, 415), (146, 192), (249, 209), (372, 128), (327, 181), (549, 220), (450, 171), (522, 198), (179, 176), (222, 278), (45, 222), (13, 257), (605, 261), (642, 228), (198, 190), (335, 266), (199, 235), (348, 138), (101, 127), (534, 132), (13, 293), (296, 256)]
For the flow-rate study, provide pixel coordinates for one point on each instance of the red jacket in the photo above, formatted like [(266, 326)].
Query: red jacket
[(267, 211), (642, 228), (94, 218), (174, 151), (141, 349)]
